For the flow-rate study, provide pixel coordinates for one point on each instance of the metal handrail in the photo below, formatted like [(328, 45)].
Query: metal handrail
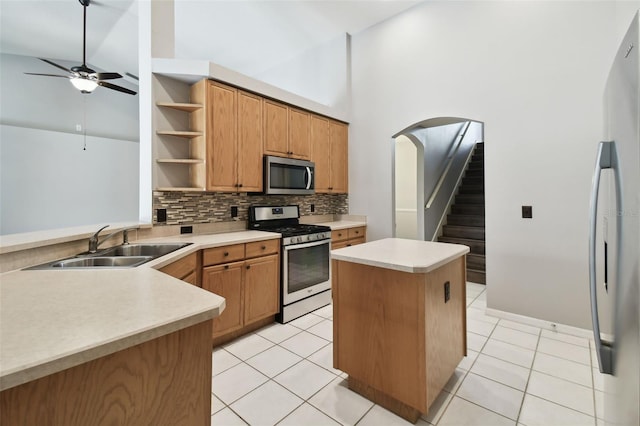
[(443, 176)]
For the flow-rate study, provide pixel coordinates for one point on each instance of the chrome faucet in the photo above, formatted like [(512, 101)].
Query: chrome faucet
[(94, 243)]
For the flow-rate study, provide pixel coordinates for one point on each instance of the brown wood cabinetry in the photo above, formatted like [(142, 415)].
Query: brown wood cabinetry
[(329, 147), (286, 130), (165, 381), (348, 237), (185, 269), (248, 277)]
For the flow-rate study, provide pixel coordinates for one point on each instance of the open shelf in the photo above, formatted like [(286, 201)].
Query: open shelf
[(180, 106), (180, 160), (179, 133)]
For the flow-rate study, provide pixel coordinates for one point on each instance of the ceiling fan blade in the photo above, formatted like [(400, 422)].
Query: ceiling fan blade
[(47, 75), (56, 65), (115, 87), (107, 75)]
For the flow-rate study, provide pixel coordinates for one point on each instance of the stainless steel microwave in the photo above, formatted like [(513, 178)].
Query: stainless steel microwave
[(288, 176)]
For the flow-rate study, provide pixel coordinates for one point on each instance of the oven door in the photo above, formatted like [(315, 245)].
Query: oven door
[(306, 270)]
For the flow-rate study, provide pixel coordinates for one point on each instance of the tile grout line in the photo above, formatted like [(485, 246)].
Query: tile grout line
[(526, 386)]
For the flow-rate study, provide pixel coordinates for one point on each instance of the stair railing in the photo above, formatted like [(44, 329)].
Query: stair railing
[(445, 212), (444, 174)]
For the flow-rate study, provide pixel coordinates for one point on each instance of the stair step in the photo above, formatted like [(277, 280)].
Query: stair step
[(465, 220), (470, 199), (476, 261), (476, 165), (474, 173), (473, 180), (467, 232), (476, 246), (471, 189), (474, 276), (477, 157), (472, 209)]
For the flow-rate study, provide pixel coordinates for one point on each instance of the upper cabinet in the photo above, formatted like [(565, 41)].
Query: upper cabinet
[(286, 131), (329, 142)]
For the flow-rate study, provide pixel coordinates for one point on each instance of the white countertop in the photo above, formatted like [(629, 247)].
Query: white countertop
[(51, 320), (402, 255), (342, 224)]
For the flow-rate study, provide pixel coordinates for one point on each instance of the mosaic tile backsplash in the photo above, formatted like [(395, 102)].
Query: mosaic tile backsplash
[(197, 207)]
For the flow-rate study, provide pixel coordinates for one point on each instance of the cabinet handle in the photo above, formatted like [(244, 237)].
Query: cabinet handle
[(240, 185), (263, 247), (339, 235), (248, 266), (226, 253), (226, 266), (357, 232)]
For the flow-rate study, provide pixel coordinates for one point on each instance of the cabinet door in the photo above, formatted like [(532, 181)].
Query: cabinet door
[(226, 281), (222, 173), (249, 142), (276, 129), (299, 136), (338, 135), (261, 288), (321, 152)]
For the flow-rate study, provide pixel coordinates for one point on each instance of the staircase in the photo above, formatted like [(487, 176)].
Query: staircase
[(465, 223)]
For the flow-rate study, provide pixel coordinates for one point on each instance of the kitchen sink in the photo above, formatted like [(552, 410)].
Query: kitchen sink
[(123, 256), (101, 262), (153, 250)]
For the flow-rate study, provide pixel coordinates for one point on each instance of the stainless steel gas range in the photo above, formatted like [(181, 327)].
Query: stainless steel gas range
[(305, 267)]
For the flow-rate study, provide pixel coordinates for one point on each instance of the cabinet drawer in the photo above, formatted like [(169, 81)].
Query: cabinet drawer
[(339, 235), (261, 248), (214, 256), (181, 268), (356, 232), (356, 241)]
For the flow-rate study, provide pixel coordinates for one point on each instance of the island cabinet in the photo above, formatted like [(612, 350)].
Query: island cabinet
[(286, 131), (348, 237), (329, 152), (248, 277), (186, 269), (399, 320), (231, 123)]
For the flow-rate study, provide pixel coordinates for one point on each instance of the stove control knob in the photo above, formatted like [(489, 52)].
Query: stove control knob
[(298, 239), (309, 237)]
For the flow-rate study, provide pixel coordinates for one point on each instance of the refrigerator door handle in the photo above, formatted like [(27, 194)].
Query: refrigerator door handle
[(604, 160)]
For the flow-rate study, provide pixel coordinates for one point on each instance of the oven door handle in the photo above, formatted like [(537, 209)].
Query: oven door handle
[(306, 245)]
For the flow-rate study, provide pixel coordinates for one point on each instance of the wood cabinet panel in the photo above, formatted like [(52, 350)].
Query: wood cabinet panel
[(250, 140), (299, 134), (226, 281), (261, 288), (165, 381), (338, 136), (276, 128), (182, 267), (262, 248), (217, 255), (339, 234), (221, 138), (321, 153), (356, 232)]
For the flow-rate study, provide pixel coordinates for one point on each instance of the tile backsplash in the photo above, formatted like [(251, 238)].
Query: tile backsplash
[(208, 207)]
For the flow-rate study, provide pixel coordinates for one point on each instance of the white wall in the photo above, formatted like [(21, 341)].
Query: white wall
[(533, 72), (406, 187)]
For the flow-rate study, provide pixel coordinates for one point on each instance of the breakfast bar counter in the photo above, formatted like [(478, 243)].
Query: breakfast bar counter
[(399, 320)]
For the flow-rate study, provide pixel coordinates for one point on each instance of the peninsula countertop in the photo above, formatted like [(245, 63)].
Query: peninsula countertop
[(399, 254), (51, 320)]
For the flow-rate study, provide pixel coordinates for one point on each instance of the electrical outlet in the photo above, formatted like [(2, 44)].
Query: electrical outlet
[(527, 212), (234, 211), (447, 291), (186, 229), (161, 215), (78, 127), (313, 208)]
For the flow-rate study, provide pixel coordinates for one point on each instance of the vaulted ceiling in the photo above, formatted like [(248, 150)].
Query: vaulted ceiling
[(247, 36)]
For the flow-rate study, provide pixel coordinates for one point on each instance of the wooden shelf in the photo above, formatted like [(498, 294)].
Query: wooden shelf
[(179, 133), (180, 160), (178, 188), (187, 107)]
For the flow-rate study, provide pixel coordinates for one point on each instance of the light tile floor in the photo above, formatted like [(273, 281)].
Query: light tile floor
[(514, 374)]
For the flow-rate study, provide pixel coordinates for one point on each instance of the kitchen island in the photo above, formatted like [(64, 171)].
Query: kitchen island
[(399, 320)]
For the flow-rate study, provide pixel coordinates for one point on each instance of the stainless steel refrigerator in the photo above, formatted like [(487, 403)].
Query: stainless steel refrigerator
[(614, 242)]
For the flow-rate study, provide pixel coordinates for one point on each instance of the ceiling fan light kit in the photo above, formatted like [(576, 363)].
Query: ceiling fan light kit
[(82, 77)]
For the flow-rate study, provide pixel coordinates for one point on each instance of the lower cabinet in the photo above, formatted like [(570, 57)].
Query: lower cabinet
[(348, 237), (185, 269), (248, 277)]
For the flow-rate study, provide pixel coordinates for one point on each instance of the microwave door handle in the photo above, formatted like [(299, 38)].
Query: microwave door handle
[(604, 350), (308, 179)]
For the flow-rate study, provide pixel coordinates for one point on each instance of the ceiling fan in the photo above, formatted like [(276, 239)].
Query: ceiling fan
[(82, 77)]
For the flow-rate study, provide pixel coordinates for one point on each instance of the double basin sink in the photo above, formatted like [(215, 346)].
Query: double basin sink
[(123, 256)]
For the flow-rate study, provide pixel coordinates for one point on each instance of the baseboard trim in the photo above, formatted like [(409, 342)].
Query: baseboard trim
[(543, 324)]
